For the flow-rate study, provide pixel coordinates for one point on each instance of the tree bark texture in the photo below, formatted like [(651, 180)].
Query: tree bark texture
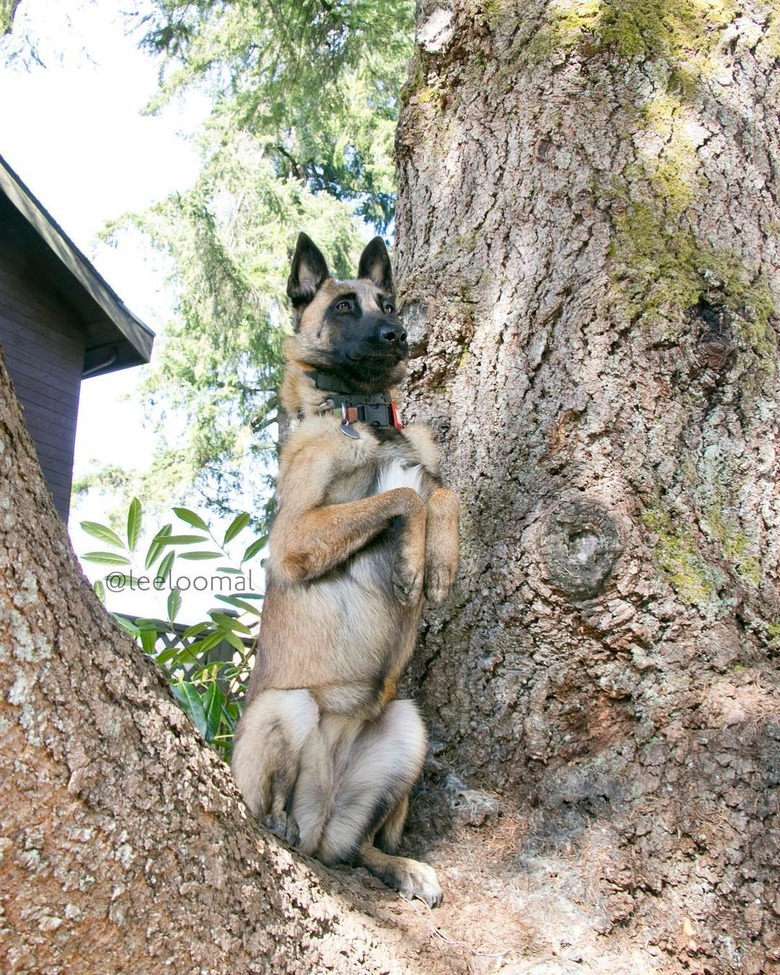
[(125, 846), (587, 244)]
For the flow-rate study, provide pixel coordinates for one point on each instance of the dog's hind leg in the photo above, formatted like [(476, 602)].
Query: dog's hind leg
[(388, 837), (410, 878), (267, 755), (375, 768)]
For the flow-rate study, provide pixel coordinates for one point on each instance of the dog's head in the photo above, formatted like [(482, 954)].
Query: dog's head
[(347, 329)]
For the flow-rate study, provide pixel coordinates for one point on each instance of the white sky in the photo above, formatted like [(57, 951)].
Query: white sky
[(73, 133)]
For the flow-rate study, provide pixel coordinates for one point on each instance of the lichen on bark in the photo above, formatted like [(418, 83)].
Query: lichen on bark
[(611, 166)]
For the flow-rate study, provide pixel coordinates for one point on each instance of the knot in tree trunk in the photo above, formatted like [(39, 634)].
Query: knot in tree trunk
[(580, 544)]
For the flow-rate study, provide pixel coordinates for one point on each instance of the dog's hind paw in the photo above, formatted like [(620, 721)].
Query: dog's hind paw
[(409, 877), (420, 881), (284, 826)]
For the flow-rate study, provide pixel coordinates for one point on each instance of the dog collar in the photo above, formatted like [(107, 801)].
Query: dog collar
[(374, 414), (375, 409), (328, 383)]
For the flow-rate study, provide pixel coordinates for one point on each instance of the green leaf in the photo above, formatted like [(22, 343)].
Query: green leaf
[(149, 641), (100, 591), (164, 568), (213, 700), (234, 672), (153, 625), (229, 623), (191, 518), (238, 524), (156, 547), (127, 625), (200, 556), (164, 657), (180, 539), (232, 712), (228, 571), (254, 548), (235, 641), (102, 532), (207, 643), (106, 558), (192, 704), (195, 629), (174, 604), (133, 524), (240, 604), (176, 656)]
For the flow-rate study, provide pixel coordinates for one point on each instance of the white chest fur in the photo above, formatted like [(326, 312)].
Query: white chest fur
[(395, 474)]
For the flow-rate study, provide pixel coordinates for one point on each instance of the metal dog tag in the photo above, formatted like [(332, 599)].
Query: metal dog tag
[(349, 431)]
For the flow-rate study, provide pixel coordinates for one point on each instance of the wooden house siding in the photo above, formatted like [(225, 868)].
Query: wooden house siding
[(43, 345), (59, 322)]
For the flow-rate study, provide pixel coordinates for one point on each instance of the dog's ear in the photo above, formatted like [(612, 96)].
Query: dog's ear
[(375, 265), (307, 273)]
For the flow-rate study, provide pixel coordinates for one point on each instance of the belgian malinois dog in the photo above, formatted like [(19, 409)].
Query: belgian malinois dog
[(325, 753)]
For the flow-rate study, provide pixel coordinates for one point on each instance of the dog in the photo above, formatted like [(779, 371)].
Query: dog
[(325, 753)]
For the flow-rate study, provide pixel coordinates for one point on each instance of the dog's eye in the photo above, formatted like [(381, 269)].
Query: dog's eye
[(388, 307), (344, 306)]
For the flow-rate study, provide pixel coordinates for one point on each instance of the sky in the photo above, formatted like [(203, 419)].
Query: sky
[(73, 131)]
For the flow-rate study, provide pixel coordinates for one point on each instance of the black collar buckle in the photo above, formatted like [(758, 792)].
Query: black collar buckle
[(374, 409)]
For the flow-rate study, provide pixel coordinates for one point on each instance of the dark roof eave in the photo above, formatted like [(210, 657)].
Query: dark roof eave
[(136, 337)]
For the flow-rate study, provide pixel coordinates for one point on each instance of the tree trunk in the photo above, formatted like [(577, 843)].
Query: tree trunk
[(124, 844), (587, 241)]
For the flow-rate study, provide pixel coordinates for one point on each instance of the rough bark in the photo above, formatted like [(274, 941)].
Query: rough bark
[(124, 844), (587, 245)]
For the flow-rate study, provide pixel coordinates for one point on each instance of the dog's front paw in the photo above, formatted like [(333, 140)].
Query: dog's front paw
[(439, 579), (284, 826), (407, 583)]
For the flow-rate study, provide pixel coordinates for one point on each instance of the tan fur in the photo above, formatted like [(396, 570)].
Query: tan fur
[(325, 755)]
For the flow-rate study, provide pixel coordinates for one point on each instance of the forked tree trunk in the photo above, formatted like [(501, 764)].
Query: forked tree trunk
[(587, 243), (124, 846)]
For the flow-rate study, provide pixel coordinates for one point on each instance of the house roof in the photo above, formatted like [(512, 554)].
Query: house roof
[(115, 337)]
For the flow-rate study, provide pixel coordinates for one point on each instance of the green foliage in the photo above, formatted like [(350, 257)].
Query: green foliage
[(317, 80), (300, 136), (207, 663), (212, 391), (7, 11)]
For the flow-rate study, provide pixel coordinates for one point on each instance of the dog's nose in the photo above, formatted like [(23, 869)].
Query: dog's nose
[(392, 334)]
